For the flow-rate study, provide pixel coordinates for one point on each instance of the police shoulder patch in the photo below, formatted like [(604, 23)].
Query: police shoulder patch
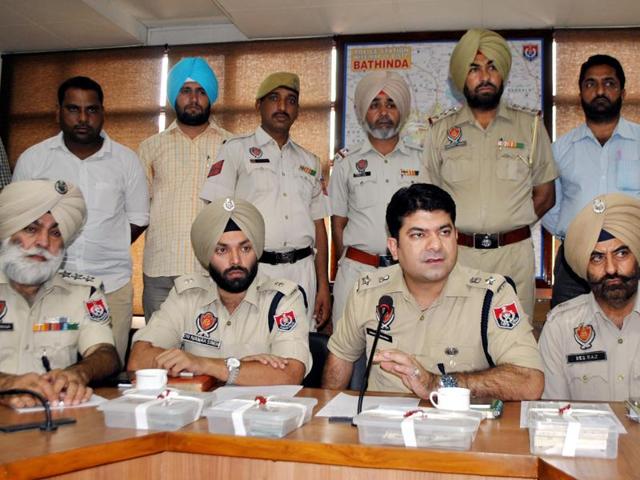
[(507, 316), (279, 285), (97, 310), (193, 280)]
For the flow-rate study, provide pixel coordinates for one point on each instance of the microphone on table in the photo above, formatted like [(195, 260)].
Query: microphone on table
[(384, 310), (49, 424)]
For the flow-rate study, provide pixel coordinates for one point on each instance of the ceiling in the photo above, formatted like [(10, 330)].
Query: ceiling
[(46, 25)]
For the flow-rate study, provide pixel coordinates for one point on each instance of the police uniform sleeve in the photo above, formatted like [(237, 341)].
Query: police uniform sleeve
[(291, 339), (553, 357), (223, 174), (166, 326), (543, 164), (339, 187), (510, 334), (95, 328), (348, 342), (431, 156), (319, 201)]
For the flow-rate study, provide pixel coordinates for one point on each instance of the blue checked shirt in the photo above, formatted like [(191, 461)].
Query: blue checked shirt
[(5, 171)]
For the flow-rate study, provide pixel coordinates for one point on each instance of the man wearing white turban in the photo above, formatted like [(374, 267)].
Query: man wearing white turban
[(239, 325), (177, 161), (364, 179), (589, 344), (495, 160), (48, 317)]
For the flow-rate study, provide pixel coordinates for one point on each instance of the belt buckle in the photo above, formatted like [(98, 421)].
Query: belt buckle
[(288, 257), (485, 241)]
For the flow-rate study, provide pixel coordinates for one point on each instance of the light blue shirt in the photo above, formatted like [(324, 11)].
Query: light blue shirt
[(588, 169)]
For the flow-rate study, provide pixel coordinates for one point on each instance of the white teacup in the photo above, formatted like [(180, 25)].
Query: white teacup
[(151, 379), (451, 398)]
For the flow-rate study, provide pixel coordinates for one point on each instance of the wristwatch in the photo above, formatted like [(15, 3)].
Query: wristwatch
[(447, 380), (233, 367)]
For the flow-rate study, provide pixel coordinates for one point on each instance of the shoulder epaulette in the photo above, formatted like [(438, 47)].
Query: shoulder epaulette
[(443, 114), (279, 284), (372, 280), (340, 154), (414, 146), (83, 279), (186, 282), (237, 137), (569, 304), (522, 108), (493, 281)]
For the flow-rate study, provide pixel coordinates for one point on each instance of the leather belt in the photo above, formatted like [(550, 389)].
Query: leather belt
[(486, 241), (275, 258), (369, 258)]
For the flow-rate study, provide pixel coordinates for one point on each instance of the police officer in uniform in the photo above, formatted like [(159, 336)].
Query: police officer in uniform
[(495, 160), (284, 181), (590, 344), (48, 317), (363, 180), (443, 324), (239, 326)]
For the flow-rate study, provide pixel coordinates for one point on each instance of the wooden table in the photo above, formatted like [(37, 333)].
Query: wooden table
[(319, 450)]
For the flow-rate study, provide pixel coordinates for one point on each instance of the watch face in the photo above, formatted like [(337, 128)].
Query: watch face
[(232, 362)]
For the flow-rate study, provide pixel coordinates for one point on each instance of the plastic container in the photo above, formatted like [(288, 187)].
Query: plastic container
[(166, 415), (573, 435), (431, 428), (275, 418)]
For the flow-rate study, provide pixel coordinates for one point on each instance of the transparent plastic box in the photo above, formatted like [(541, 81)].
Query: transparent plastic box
[(575, 435), (168, 416), (275, 418), (432, 428)]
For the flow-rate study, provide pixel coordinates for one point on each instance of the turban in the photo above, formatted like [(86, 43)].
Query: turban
[(392, 84), (192, 69), (278, 79), (615, 213), (490, 44), (22, 203), (211, 222)]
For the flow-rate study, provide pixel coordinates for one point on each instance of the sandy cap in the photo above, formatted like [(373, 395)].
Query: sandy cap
[(22, 203), (211, 222), (193, 69), (490, 44), (278, 79), (392, 84), (616, 213)]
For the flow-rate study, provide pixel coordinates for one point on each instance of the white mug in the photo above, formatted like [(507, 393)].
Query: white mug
[(451, 398), (151, 379)]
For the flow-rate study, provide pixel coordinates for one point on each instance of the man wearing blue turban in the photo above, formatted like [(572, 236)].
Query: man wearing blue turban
[(177, 162)]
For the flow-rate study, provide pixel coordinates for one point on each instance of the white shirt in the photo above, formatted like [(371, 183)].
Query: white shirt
[(114, 187)]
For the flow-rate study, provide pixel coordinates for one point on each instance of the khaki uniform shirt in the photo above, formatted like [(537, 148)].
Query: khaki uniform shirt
[(490, 173), (285, 185), (68, 316), (193, 318), (586, 357), (362, 184), (176, 166), (447, 332)]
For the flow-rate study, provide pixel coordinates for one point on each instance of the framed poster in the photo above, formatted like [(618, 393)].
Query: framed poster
[(424, 64)]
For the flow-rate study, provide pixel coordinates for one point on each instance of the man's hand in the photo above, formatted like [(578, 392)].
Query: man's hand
[(176, 361), (69, 386), (408, 369), (322, 309), (267, 359), (28, 381)]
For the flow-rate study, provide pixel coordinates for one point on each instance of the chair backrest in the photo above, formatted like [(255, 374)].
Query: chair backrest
[(319, 351)]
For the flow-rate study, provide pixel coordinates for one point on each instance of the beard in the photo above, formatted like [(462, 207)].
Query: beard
[(616, 295), (601, 109), (484, 101), (381, 130), (237, 284), (193, 119), (18, 267)]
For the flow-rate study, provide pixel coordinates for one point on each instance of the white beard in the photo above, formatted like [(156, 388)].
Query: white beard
[(381, 133), (16, 264)]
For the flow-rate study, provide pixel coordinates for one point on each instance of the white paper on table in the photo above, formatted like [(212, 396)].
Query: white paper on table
[(229, 393), (344, 405), (94, 401)]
